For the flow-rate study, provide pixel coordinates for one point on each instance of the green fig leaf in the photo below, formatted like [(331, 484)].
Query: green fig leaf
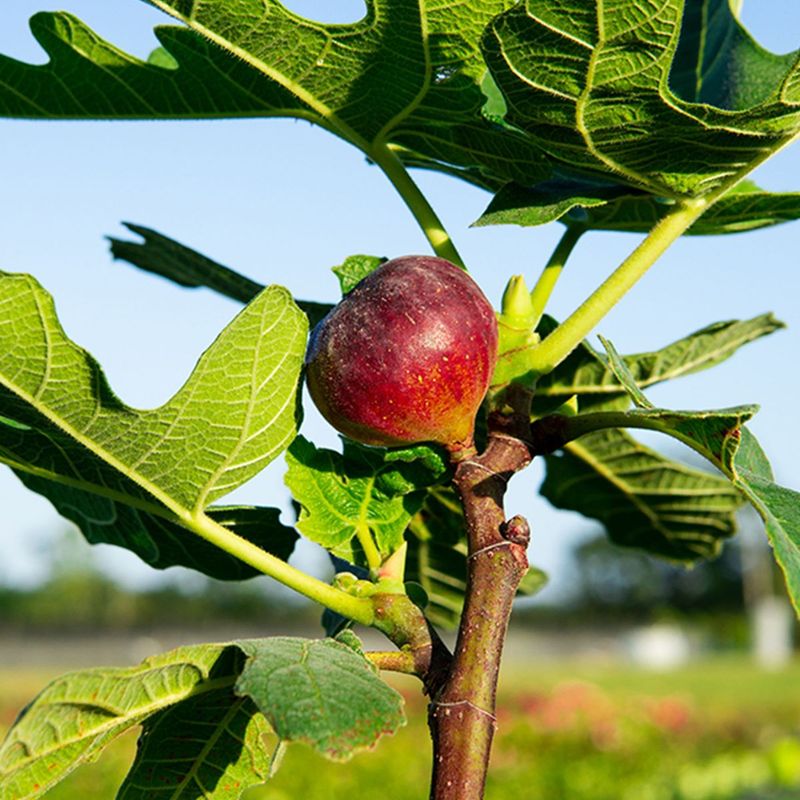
[(566, 198), (354, 270), (200, 709), (746, 207), (744, 78), (778, 507), (672, 98), (589, 376), (79, 713), (720, 436), (323, 693), (207, 746), (163, 256), (403, 470), (134, 477), (405, 74), (160, 542), (352, 499), (643, 499)]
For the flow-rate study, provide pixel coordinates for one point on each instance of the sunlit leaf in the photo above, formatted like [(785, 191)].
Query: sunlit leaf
[(201, 710), (354, 269), (79, 713), (360, 493), (160, 542), (722, 438), (606, 88), (588, 375), (409, 74), (130, 476)]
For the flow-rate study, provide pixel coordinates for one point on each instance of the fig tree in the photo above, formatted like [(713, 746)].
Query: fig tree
[(406, 356)]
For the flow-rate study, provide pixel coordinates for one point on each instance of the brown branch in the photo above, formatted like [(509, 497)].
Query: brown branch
[(462, 714)]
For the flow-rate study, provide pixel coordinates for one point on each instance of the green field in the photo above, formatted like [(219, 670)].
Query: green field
[(716, 731)]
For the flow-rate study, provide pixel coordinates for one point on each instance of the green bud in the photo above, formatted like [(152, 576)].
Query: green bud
[(517, 308), (344, 581)]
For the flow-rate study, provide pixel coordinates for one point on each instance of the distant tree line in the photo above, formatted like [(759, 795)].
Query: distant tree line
[(77, 595), (609, 584)]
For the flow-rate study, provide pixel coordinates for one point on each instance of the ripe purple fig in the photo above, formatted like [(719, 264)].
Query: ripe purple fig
[(406, 356)]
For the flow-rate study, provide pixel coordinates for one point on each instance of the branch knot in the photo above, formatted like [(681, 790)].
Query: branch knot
[(516, 530)]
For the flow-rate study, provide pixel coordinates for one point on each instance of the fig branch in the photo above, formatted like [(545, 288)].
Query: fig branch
[(462, 714)]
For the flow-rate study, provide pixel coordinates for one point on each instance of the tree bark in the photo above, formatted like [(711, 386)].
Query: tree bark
[(462, 714)]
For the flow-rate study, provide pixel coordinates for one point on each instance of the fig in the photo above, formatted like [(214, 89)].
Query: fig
[(406, 356)]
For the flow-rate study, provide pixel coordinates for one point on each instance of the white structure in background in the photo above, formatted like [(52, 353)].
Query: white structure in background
[(771, 616), (772, 625), (660, 647)]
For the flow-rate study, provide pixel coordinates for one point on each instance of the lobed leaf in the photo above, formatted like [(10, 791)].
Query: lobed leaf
[(345, 497), (161, 542), (322, 692), (745, 77), (201, 710), (722, 438), (209, 745), (163, 256), (78, 714), (713, 434), (743, 208), (447, 131), (643, 499), (669, 96), (405, 73), (130, 476)]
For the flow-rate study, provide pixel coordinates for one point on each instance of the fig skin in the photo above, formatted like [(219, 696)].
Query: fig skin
[(406, 356)]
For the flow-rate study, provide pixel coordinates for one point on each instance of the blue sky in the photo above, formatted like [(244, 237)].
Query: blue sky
[(282, 202)]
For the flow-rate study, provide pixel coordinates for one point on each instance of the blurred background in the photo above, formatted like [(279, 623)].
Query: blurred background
[(626, 677)]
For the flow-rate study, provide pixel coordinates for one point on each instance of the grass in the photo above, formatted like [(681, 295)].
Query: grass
[(720, 730)]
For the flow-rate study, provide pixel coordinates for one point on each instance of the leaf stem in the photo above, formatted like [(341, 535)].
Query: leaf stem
[(567, 336), (393, 661), (417, 203), (359, 609), (540, 294), (555, 431)]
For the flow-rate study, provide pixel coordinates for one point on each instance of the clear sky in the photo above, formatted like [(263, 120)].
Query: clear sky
[(282, 202)]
